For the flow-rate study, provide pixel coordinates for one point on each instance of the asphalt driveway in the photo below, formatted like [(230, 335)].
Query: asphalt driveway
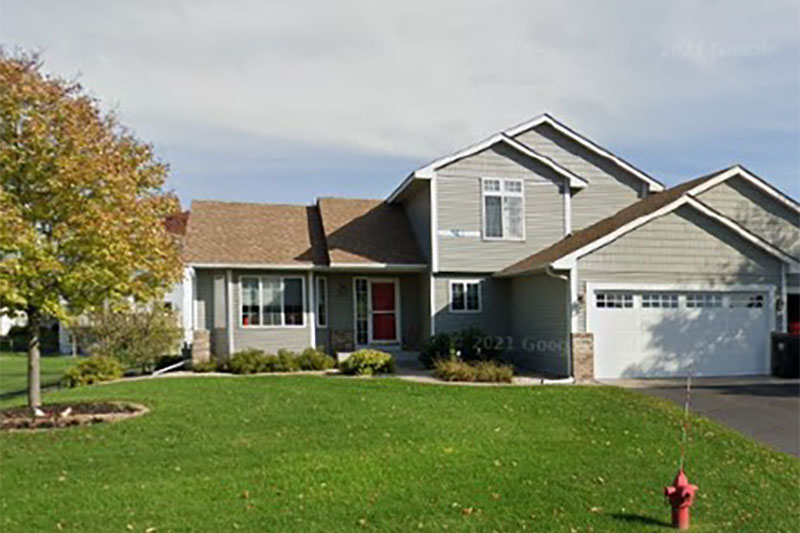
[(766, 409)]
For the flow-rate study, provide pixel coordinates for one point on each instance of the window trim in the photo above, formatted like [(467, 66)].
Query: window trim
[(317, 293), (464, 282), (502, 193), (282, 325)]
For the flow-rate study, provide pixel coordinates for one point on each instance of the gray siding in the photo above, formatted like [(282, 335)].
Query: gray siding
[(418, 211), (460, 208), (764, 216), (270, 339), (539, 324), (610, 188), (495, 314), (680, 247)]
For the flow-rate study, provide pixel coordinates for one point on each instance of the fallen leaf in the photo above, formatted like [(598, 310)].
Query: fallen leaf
[(467, 511)]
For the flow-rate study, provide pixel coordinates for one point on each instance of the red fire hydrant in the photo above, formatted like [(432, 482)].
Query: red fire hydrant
[(681, 497)]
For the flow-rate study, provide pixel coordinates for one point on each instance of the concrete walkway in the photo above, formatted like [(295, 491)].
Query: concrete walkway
[(764, 408)]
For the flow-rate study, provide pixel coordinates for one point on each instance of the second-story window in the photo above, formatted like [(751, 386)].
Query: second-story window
[(503, 209)]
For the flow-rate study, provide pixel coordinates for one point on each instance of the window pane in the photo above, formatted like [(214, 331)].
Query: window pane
[(513, 186), (271, 300), (362, 324), (457, 297), (513, 206), (293, 302), (494, 216), (472, 296), (250, 314), (322, 302), (491, 185)]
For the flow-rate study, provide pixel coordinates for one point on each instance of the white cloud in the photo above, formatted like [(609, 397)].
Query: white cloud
[(419, 78)]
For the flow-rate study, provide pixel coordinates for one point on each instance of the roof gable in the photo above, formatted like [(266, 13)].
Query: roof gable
[(710, 181), (515, 131)]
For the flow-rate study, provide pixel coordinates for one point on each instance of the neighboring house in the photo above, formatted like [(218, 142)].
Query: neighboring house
[(570, 259)]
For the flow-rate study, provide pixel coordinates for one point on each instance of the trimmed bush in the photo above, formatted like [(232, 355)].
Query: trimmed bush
[(367, 362), (470, 344), (481, 371), (212, 365), (285, 361), (91, 370), (313, 359), (250, 361)]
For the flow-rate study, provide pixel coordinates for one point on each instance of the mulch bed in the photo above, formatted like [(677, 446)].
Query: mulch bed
[(61, 415)]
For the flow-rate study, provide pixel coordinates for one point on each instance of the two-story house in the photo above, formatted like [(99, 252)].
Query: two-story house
[(569, 258)]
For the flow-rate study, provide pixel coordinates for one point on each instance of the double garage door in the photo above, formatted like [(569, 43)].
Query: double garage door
[(656, 333)]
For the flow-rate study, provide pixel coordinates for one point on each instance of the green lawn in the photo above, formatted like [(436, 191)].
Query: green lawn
[(14, 370), (338, 454)]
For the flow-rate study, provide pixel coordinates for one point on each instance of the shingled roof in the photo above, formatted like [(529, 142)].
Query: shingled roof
[(368, 231), (334, 231), (588, 235)]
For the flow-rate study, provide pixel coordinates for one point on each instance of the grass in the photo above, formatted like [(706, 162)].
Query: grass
[(14, 370), (302, 453)]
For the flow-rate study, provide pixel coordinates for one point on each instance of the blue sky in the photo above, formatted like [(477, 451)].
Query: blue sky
[(286, 101)]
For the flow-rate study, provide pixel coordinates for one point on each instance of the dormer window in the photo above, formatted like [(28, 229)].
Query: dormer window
[(503, 209)]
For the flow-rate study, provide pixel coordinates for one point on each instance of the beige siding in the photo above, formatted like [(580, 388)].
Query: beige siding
[(460, 210), (539, 309), (610, 188), (680, 247), (418, 211), (764, 216), (495, 314)]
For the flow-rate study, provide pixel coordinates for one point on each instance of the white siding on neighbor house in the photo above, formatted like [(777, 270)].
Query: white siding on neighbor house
[(610, 188), (682, 247), (494, 316), (539, 320), (458, 191), (769, 219), (418, 210)]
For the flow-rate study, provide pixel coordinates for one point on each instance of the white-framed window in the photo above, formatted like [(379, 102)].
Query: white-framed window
[(321, 304), (271, 301), (703, 300), (746, 300), (614, 300), (465, 296), (659, 300), (503, 204)]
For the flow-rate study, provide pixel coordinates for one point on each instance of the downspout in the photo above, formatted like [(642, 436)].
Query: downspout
[(568, 322)]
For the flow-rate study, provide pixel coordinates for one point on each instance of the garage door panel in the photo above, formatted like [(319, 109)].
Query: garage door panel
[(711, 338)]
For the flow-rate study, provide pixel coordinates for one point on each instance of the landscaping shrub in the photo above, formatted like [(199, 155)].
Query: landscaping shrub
[(285, 361), (480, 371), (91, 370), (136, 336), (367, 362), (250, 361), (470, 344), (313, 359), (212, 365)]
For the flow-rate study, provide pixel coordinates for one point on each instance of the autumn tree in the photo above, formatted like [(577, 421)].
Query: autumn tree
[(82, 205)]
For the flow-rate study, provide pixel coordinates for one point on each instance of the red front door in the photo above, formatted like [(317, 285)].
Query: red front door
[(384, 311)]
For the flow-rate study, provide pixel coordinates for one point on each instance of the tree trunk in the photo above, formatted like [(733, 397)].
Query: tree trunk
[(34, 356)]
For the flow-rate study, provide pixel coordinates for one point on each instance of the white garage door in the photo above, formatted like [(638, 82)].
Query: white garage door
[(668, 334)]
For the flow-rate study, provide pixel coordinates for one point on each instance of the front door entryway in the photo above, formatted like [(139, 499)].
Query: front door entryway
[(376, 311)]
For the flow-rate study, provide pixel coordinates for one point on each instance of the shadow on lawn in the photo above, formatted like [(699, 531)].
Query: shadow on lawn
[(639, 519)]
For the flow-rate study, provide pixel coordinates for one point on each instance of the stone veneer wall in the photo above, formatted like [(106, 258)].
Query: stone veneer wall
[(201, 346), (583, 356)]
